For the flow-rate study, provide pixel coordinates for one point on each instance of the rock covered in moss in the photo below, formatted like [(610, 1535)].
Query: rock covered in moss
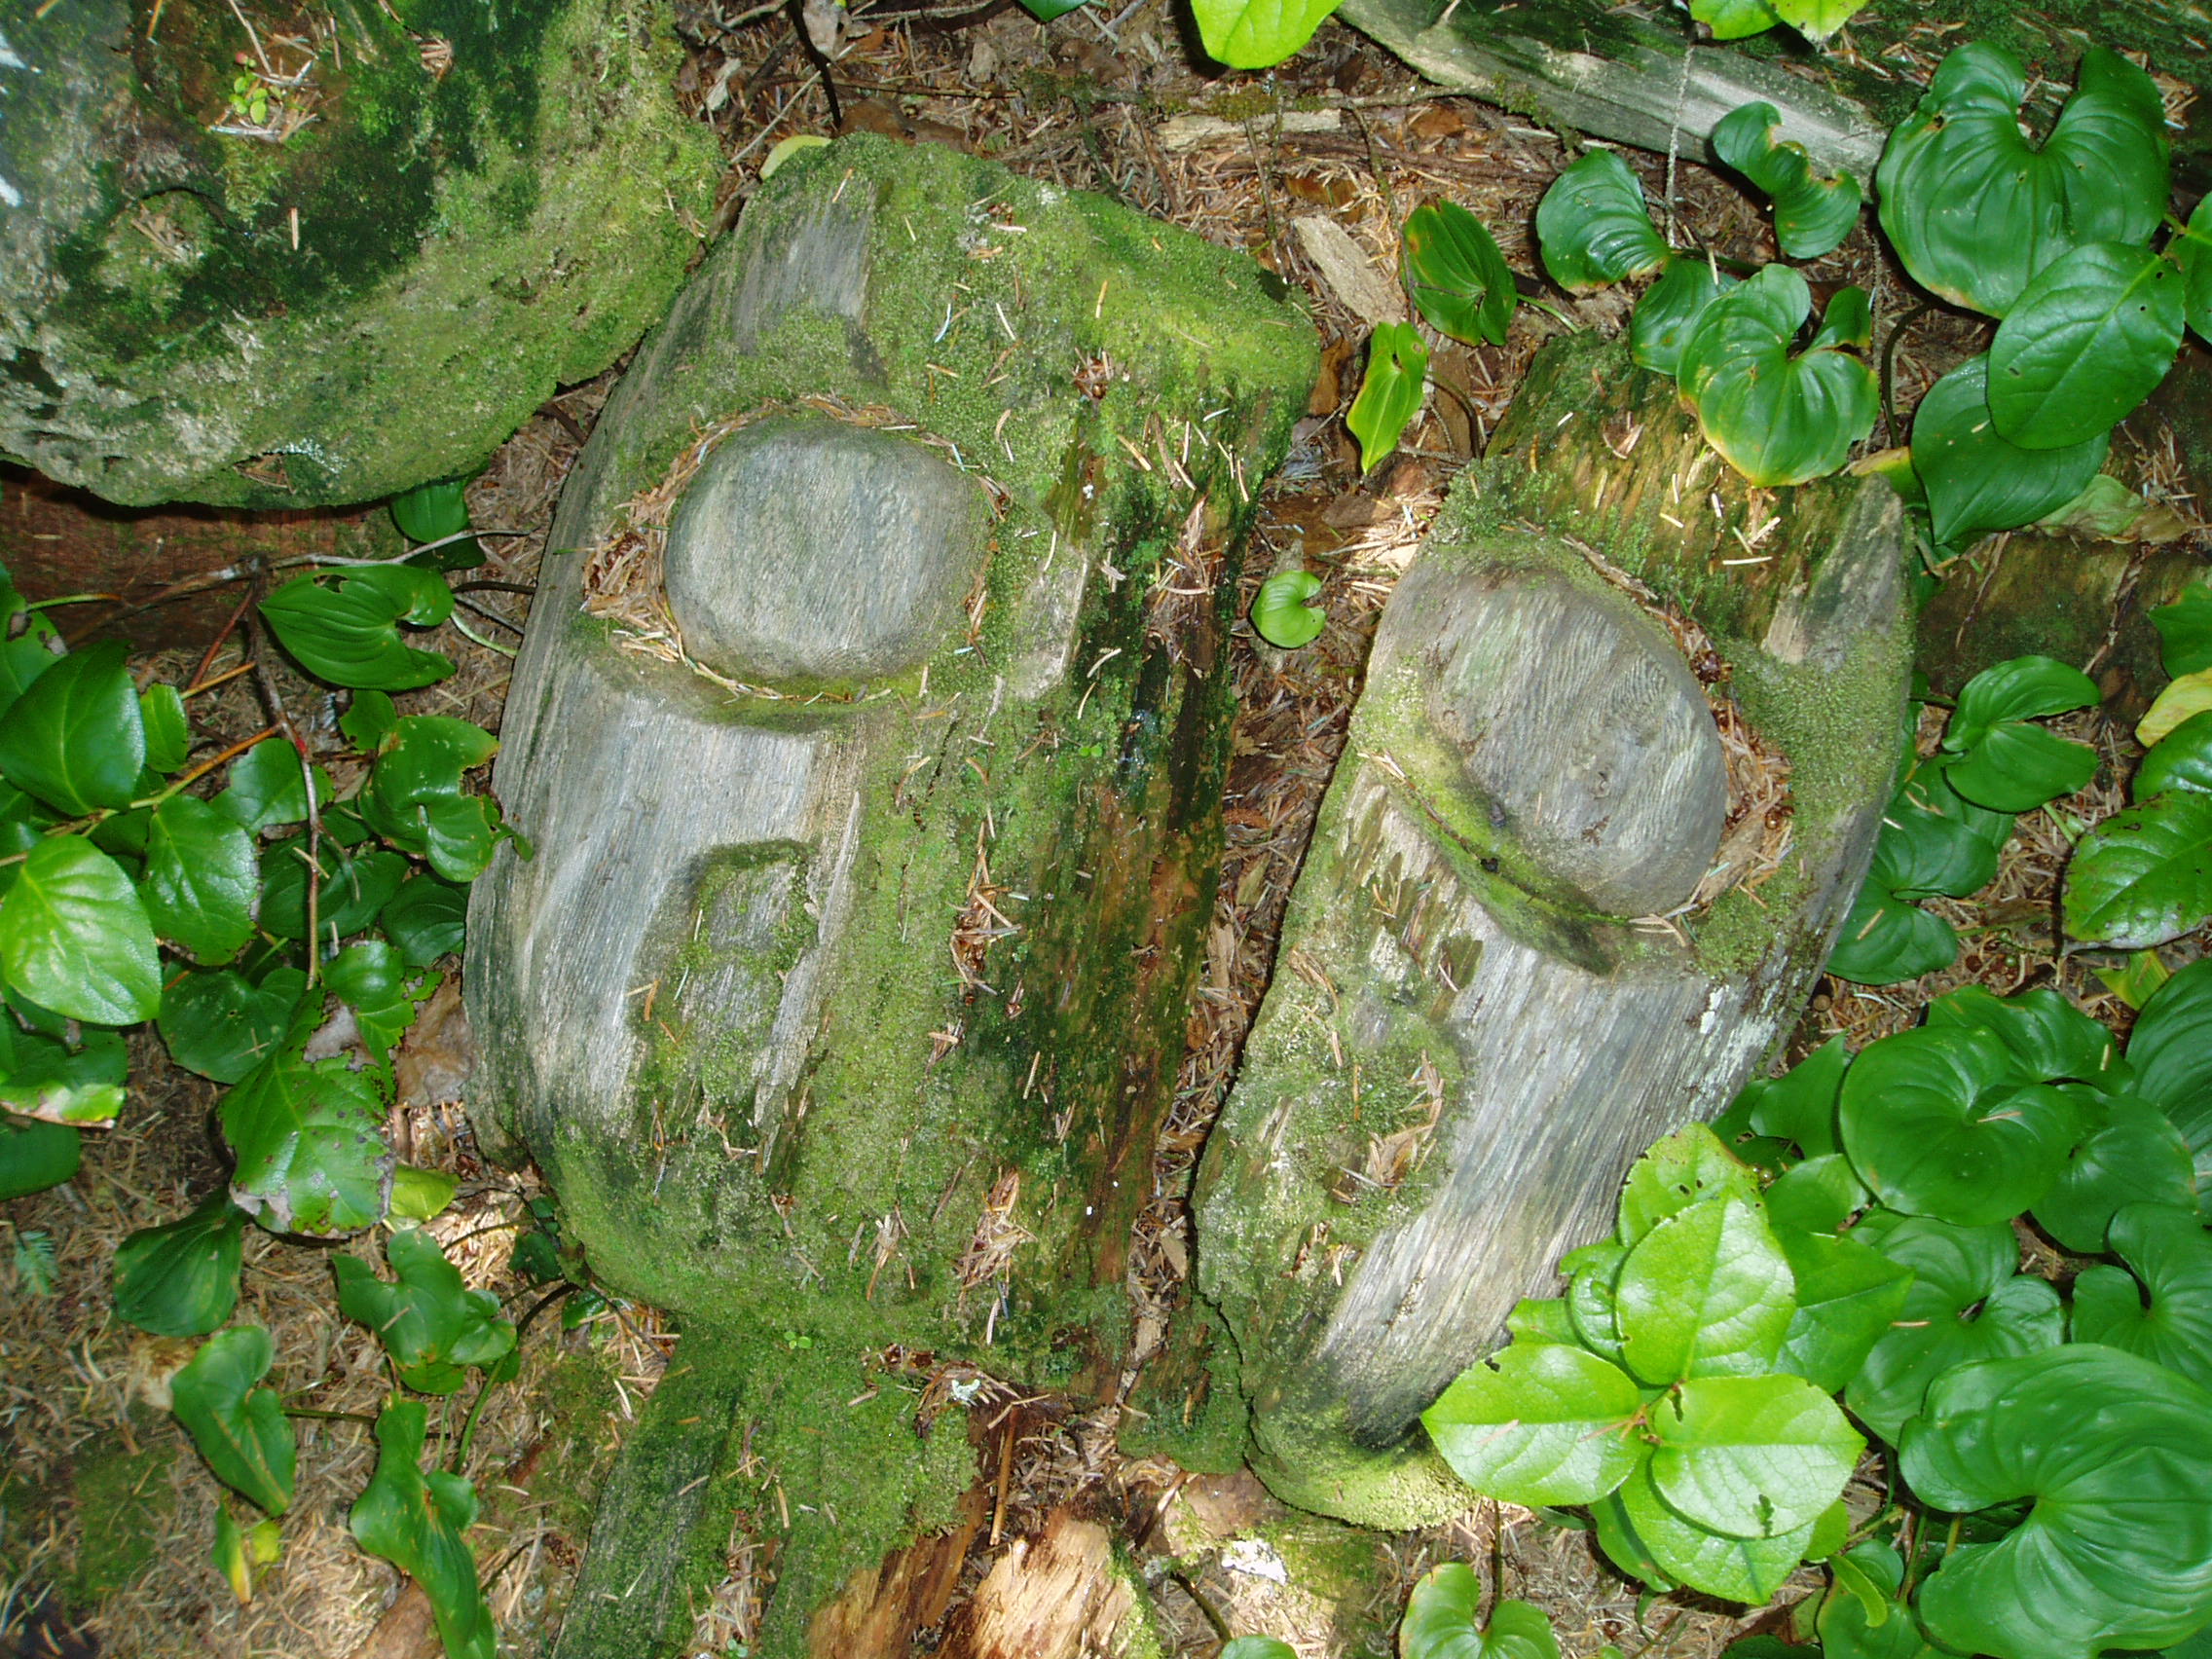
[(332, 259)]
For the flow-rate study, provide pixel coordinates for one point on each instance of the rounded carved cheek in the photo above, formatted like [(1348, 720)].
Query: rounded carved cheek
[(809, 550)]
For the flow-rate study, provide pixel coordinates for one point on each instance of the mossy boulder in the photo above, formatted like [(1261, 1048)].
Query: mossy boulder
[(334, 258)]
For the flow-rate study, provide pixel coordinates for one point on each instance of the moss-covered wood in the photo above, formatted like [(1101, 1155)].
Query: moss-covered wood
[(1636, 76), (352, 266), (841, 1001), (1474, 1036)]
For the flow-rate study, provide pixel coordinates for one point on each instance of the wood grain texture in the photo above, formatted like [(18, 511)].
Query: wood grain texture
[(1442, 1094)]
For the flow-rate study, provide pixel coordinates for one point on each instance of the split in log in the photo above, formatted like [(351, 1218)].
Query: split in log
[(870, 741), (1563, 897)]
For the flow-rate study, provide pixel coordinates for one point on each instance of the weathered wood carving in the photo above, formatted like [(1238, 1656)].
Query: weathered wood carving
[(869, 741), (1561, 896)]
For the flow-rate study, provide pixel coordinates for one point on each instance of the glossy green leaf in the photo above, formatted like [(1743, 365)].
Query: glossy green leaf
[(182, 1279), (1705, 1293), (1966, 1302), (1442, 1617), (371, 722), (1592, 1274), (1799, 1106), (1870, 1622), (1281, 614), (51, 1078), (1669, 312), (2144, 875), (1735, 19), (1536, 1320), (2160, 1304), (2052, 1040), (1539, 1425), (2133, 982), (29, 645), (202, 881), (1937, 1121), (1688, 1166), (2005, 763), (1257, 1647), (2182, 759), (1812, 214), (2179, 702), (267, 786), (349, 634), (2089, 339), (1819, 1195), (308, 1138), (169, 733), (2186, 629), (354, 888), (1390, 395), (426, 918), (2171, 1052), (418, 1195), (1254, 34), (2193, 251), (1457, 274), (1750, 1457), (75, 739), (1737, 1570), (221, 1025), (1931, 841), (1929, 789), (372, 980), (1975, 209), (1978, 480), (1592, 226), (2132, 1153), (1777, 418), (238, 1427), (35, 1155), (1886, 940), (1817, 20), (1044, 11), (1848, 1294), (419, 1523), (2117, 1551), (431, 512), (429, 1322), (74, 936)]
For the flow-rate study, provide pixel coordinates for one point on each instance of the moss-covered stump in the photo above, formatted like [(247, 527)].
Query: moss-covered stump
[(1636, 76), (335, 257), (845, 990), (1537, 927)]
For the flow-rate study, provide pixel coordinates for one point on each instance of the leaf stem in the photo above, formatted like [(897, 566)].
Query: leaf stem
[(332, 1417), (1890, 425)]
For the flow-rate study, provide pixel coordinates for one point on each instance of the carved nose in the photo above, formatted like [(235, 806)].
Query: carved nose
[(811, 551)]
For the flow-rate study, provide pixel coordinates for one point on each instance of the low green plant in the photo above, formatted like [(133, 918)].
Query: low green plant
[(1281, 615), (280, 932), (1849, 1231)]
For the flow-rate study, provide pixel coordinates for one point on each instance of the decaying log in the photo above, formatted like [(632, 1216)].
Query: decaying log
[(1636, 75), (868, 736), (1562, 895)]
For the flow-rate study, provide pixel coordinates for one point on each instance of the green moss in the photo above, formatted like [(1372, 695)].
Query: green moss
[(126, 1513)]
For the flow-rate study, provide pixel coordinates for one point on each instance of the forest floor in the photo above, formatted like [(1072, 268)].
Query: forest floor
[(103, 1505)]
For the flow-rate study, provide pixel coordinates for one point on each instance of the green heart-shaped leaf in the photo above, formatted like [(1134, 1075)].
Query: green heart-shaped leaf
[(1739, 1570), (1978, 480), (1811, 215), (1440, 1621), (419, 1523), (1799, 1105), (1751, 1457), (2161, 1306), (1457, 274), (1539, 1425), (182, 1279), (370, 979), (267, 786), (1819, 1195), (1281, 614), (1669, 312), (2051, 1039), (349, 635), (1886, 940), (202, 881), (2144, 875), (76, 739), (1966, 1302), (1816, 20), (74, 936), (2132, 1155), (353, 888), (1848, 1294), (1975, 211), (1254, 34), (1939, 1122), (2089, 339), (429, 1322), (2171, 1052), (1735, 19), (2117, 1551), (222, 1026), (2182, 759), (1777, 418), (308, 1138), (1592, 228), (1390, 395), (2005, 763), (426, 918), (1705, 1293), (241, 1429)]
